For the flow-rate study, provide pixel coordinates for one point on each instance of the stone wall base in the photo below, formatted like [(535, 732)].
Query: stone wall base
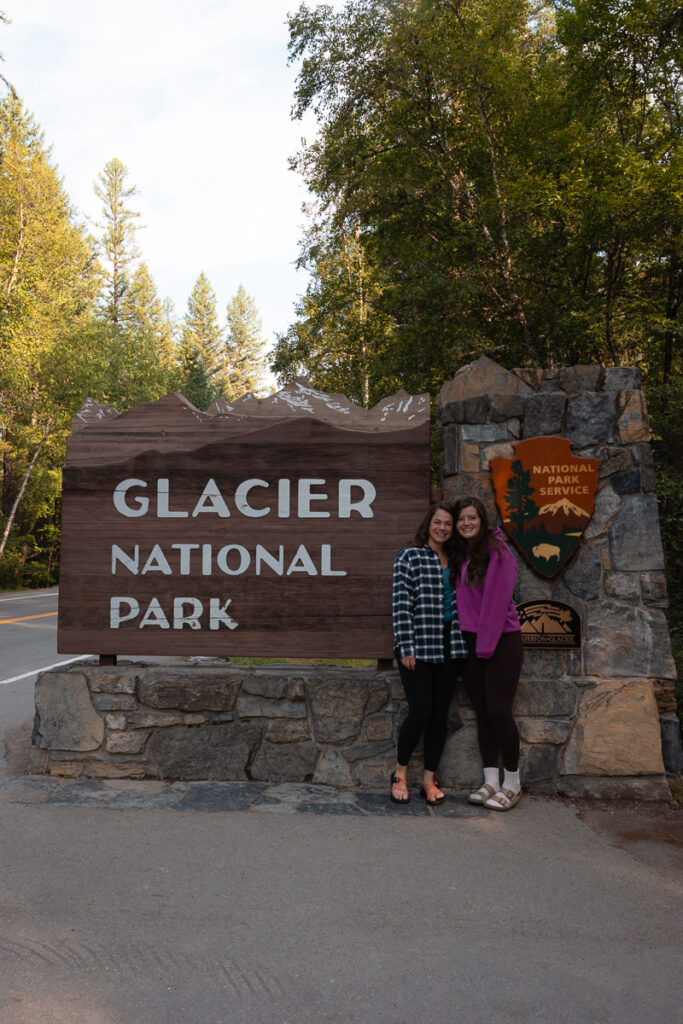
[(298, 723)]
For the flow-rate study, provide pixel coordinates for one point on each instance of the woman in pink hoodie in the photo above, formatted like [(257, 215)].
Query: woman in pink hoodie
[(485, 570)]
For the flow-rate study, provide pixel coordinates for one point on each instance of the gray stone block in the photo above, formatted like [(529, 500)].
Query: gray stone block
[(539, 761), (544, 730), (654, 590), (612, 459), (468, 410), (112, 680), (625, 641), (643, 457), (628, 482), (635, 542), (505, 407), (332, 769), (544, 414), (287, 730), (189, 689), (546, 698), (622, 378), (607, 504), (485, 432), (65, 718), (366, 751), (590, 419), (574, 379), (337, 709), (672, 752), (285, 762), (544, 664), (260, 707), (450, 450), (625, 586), (582, 577), (202, 752), (460, 763)]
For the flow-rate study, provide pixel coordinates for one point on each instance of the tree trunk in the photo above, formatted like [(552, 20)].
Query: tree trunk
[(24, 483)]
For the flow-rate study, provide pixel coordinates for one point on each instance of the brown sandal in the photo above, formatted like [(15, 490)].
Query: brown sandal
[(399, 787)]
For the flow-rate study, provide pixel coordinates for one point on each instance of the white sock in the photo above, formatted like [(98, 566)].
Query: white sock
[(492, 778), (511, 781)]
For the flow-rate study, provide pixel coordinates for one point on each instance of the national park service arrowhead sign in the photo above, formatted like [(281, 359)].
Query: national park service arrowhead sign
[(546, 497)]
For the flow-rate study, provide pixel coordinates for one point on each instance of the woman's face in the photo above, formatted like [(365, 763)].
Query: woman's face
[(468, 523), (440, 528)]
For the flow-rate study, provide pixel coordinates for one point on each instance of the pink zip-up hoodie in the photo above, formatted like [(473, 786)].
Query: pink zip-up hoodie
[(489, 611)]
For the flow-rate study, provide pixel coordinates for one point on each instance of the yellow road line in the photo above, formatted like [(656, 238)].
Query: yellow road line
[(44, 615)]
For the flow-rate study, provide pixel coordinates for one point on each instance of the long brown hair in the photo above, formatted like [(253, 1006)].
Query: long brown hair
[(422, 533), (478, 550)]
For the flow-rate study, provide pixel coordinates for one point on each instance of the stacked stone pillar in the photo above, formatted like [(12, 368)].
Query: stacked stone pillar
[(591, 720)]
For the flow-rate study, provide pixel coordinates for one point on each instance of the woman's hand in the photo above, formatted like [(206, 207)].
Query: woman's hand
[(409, 662)]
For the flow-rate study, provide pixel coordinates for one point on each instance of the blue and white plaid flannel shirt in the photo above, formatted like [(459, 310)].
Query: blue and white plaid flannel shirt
[(417, 607)]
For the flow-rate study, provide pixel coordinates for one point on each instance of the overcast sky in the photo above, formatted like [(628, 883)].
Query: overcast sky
[(194, 100)]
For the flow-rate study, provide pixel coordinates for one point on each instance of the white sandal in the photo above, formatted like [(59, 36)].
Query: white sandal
[(483, 794), (503, 800)]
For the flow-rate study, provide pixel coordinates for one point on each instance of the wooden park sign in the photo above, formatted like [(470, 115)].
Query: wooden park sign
[(267, 527)]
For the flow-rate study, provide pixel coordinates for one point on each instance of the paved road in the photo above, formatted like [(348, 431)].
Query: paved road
[(28, 645), (228, 903)]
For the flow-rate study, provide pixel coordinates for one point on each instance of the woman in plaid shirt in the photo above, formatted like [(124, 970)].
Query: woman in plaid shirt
[(428, 645)]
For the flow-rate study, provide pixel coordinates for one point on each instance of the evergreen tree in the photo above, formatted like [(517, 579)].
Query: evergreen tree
[(243, 361), (201, 332), (118, 238)]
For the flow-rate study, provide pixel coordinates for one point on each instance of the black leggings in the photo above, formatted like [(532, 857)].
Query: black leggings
[(429, 689), (491, 685)]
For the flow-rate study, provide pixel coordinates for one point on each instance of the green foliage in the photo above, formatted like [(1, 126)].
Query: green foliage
[(201, 331), (243, 360), (118, 236), (486, 180)]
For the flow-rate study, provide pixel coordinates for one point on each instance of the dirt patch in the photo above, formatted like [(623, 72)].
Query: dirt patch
[(651, 832)]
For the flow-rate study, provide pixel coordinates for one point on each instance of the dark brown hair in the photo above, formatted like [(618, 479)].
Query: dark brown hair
[(479, 548), (422, 533)]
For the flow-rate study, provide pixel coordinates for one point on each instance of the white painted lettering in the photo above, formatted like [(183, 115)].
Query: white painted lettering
[(154, 616), (363, 506), (283, 498), (157, 562), (274, 562), (181, 618), (243, 505), (302, 562), (119, 497), (185, 551), (218, 614), (326, 562), (211, 500), (119, 555), (163, 495), (222, 559), (117, 612), (306, 497)]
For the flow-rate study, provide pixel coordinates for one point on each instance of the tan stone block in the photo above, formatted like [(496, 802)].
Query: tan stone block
[(127, 742), (469, 457), (616, 732), (633, 424), (481, 377), (496, 451)]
